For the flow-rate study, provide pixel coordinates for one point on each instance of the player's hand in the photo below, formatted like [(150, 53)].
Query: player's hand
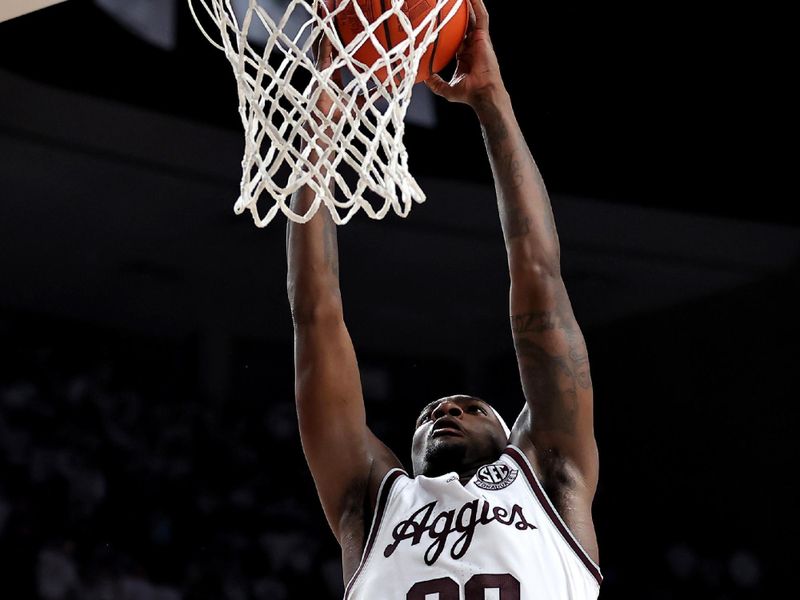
[(477, 70), (324, 103)]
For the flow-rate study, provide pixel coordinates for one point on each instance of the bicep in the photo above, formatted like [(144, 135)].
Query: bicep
[(554, 371), (342, 453)]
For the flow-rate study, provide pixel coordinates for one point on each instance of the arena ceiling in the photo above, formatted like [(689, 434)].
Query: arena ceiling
[(120, 166), (653, 105)]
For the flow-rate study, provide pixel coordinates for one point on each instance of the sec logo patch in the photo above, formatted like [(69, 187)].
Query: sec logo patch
[(495, 476)]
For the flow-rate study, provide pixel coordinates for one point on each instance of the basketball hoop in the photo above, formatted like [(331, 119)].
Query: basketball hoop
[(277, 87)]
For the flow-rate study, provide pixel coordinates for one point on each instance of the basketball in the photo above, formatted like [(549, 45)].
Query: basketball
[(439, 53)]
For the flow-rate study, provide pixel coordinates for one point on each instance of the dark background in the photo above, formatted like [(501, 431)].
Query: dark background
[(148, 444)]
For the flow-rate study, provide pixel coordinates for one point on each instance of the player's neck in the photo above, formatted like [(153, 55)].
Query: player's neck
[(466, 474)]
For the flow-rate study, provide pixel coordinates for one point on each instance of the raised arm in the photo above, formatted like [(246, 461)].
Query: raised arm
[(347, 462), (551, 351), (555, 428)]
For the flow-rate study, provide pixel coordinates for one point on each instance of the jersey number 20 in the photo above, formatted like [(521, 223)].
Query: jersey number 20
[(475, 589)]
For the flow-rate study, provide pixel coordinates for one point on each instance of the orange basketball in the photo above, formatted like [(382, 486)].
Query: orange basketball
[(439, 53)]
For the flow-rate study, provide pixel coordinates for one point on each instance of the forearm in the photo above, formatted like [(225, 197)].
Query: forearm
[(313, 263), (550, 348), (525, 212)]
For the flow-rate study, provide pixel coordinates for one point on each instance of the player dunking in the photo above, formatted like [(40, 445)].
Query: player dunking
[(489, 513)]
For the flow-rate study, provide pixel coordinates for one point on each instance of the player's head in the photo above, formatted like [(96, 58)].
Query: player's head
[(456, 433)]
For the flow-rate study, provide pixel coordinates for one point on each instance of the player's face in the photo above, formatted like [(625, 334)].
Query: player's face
[(456, 433)]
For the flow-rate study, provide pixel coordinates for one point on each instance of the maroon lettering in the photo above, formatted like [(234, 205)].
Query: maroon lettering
[(444, 586), (465, 524), (439, 535), (440, 527), (507, 585), (476, 587), (411, 528)]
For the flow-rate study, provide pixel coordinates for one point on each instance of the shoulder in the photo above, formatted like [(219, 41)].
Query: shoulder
[(559, 488), (366, 507)]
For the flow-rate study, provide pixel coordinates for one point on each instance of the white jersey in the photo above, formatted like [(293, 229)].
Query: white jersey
[(496, 538)]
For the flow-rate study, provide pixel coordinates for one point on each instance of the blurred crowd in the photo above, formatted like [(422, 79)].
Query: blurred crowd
[(109, 494), (116, 488)]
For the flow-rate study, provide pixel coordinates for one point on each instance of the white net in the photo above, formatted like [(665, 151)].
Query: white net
[(289, 143)]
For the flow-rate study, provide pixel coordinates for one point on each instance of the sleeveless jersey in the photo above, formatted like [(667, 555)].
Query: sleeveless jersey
[(496, 538)]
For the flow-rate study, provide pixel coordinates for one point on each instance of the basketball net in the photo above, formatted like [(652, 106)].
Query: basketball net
[(289, 143)]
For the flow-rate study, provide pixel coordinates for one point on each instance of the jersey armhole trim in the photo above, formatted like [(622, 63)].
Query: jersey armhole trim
[(518, 456), (380, 508)]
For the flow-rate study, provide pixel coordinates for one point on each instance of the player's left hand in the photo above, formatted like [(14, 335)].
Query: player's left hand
[(325, 104)]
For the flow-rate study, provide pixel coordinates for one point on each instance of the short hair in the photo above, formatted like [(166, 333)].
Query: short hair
[(501, 419)]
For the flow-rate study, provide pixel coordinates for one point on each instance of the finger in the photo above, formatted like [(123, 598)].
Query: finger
[(337, 73), (479, 13), (322, 43), (315, 45), (438, 85), (324, 51), (325, 8)]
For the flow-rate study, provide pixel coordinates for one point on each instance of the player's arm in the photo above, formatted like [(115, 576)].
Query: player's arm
[(557, 421), (550, 347), (347, 462)]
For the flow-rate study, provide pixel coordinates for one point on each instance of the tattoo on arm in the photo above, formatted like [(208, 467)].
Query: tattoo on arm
[(507, 159), (537, 321), (515, 222), (551, 381), (550, 387), (511, 169), (495, 129), (513, 162), (580, 365)]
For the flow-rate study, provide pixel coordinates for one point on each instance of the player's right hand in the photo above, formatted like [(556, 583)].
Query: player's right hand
[(477, 71)]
